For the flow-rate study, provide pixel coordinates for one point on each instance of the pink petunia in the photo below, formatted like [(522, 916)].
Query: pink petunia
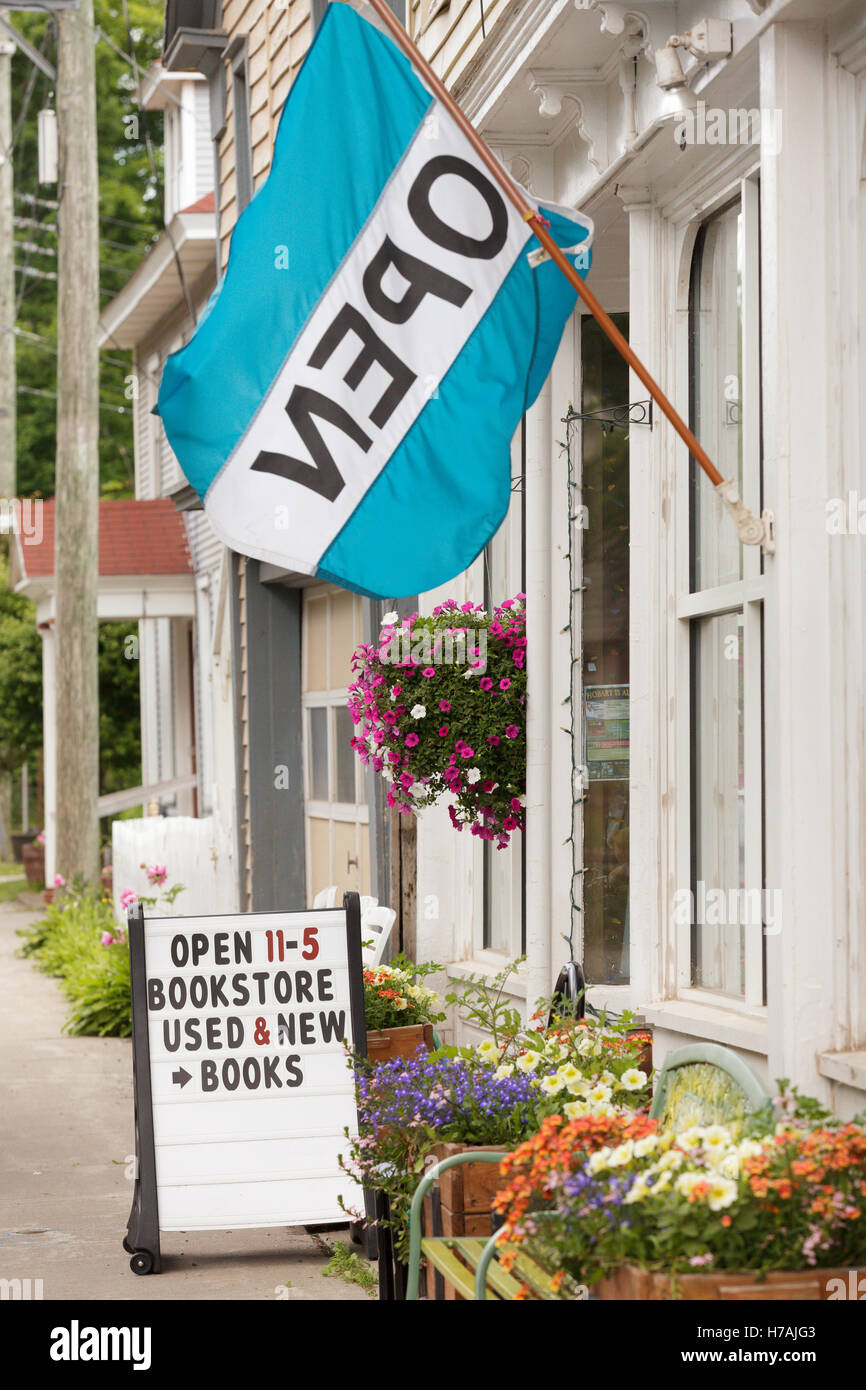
[(504, 683), (467, 752), (445, 706), (486, 683), (107, 939), (411, 740), (512, 731), (443, 732), (493, 740), (428, 672)]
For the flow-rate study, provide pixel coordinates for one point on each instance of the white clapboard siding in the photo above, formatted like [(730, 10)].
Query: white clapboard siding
[(197, 853)]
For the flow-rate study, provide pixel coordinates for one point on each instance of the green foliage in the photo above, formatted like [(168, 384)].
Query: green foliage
[(130, 218), (68, 943), (119, 708), (20, 678), (348, 1265), (482, 1004)]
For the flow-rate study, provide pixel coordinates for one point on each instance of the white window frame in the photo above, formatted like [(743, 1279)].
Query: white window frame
[(330, 699), (512, 527), (745, 596)]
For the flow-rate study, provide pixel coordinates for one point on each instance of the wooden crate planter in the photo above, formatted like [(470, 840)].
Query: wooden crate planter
[(632, 1284), (465, 1194), (384, 1046)]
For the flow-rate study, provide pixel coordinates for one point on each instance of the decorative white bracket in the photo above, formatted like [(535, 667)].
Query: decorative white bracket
[(554, 87)]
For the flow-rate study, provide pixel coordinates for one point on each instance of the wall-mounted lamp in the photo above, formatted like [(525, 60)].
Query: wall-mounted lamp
[(708, 41)]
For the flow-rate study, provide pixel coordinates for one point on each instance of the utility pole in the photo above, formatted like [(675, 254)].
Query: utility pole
[(8, 385), (77, 479)]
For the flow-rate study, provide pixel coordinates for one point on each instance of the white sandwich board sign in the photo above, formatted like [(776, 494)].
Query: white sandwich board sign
[(243, 1093)]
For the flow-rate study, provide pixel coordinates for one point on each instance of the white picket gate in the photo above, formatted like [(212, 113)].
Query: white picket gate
[(195, 852)]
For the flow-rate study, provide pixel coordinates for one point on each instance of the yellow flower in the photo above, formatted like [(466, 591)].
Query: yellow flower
[(506, 1069), (672, 1159), (487, 1050), (717, 1139)]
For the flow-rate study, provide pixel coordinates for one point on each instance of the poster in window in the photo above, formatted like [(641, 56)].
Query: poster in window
[(607, 732)]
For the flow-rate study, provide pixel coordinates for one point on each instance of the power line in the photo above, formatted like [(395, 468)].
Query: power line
[(52, 395)]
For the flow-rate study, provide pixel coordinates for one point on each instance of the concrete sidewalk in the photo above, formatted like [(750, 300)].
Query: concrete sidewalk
[(66, 1136)]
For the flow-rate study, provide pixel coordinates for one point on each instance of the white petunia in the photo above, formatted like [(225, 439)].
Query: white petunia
[(528, 1061), (550, 1085), (473, 776), (598, 1162), (506, 1069), (633, 1080), (575, 1109), (487, 1050), (645, 1146), (729, 1167), (600, 1094), (622, 1154), (418, 712), (717, 1138), (721, 1194), (388, 619)]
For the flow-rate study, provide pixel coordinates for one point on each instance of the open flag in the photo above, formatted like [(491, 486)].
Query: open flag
[(346, 405)]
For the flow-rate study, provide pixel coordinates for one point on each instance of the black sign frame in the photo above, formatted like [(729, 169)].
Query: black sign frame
[(141, 1241)]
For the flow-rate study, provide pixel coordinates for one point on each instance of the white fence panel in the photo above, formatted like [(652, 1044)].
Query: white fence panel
[(197, 853)]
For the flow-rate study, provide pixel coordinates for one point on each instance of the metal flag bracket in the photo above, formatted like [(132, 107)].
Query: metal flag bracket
[(751, 529)]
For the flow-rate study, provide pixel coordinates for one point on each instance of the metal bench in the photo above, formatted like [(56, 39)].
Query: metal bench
[(470, 1263)]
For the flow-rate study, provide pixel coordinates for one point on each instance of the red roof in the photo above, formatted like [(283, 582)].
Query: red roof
[(205, 204), (135, 537)]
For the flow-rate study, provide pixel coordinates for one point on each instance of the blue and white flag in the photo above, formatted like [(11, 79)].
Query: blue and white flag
[(346, 405)]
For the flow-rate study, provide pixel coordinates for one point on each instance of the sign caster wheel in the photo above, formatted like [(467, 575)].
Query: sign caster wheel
[(141, 1262)]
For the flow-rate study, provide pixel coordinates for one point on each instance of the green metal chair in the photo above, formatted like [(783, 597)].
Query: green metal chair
[(438, 1247), (705, 1083)]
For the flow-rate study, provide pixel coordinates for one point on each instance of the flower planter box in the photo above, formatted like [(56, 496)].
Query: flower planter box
[(33, 859), (19, 839), (646, 1053), (384, 1046), (632, 1284), (463, 1198)]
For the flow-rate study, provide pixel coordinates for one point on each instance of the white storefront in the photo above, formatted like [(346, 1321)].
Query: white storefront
[(741, 266)]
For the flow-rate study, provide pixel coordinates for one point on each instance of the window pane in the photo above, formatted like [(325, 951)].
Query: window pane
[(716, 325), (319, 754), (345, 756), (718, 931), (605, 495)]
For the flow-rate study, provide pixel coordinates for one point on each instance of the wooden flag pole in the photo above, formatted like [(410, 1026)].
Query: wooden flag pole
[(750, 529)]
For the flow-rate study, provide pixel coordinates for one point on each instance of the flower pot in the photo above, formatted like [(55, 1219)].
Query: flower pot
[(462, 1202), (33, 859), (628, 1283), (385, 1045), (19, 839)]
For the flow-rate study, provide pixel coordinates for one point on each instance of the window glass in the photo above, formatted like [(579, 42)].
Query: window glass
[(719, 788), (319, 753), (605, 706), (717, 354), (345, 755)]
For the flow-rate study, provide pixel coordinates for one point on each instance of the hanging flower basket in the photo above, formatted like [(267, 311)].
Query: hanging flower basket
[(440, 709)]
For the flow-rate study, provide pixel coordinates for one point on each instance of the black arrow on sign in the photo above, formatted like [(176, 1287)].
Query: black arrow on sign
[(181, 1077)]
